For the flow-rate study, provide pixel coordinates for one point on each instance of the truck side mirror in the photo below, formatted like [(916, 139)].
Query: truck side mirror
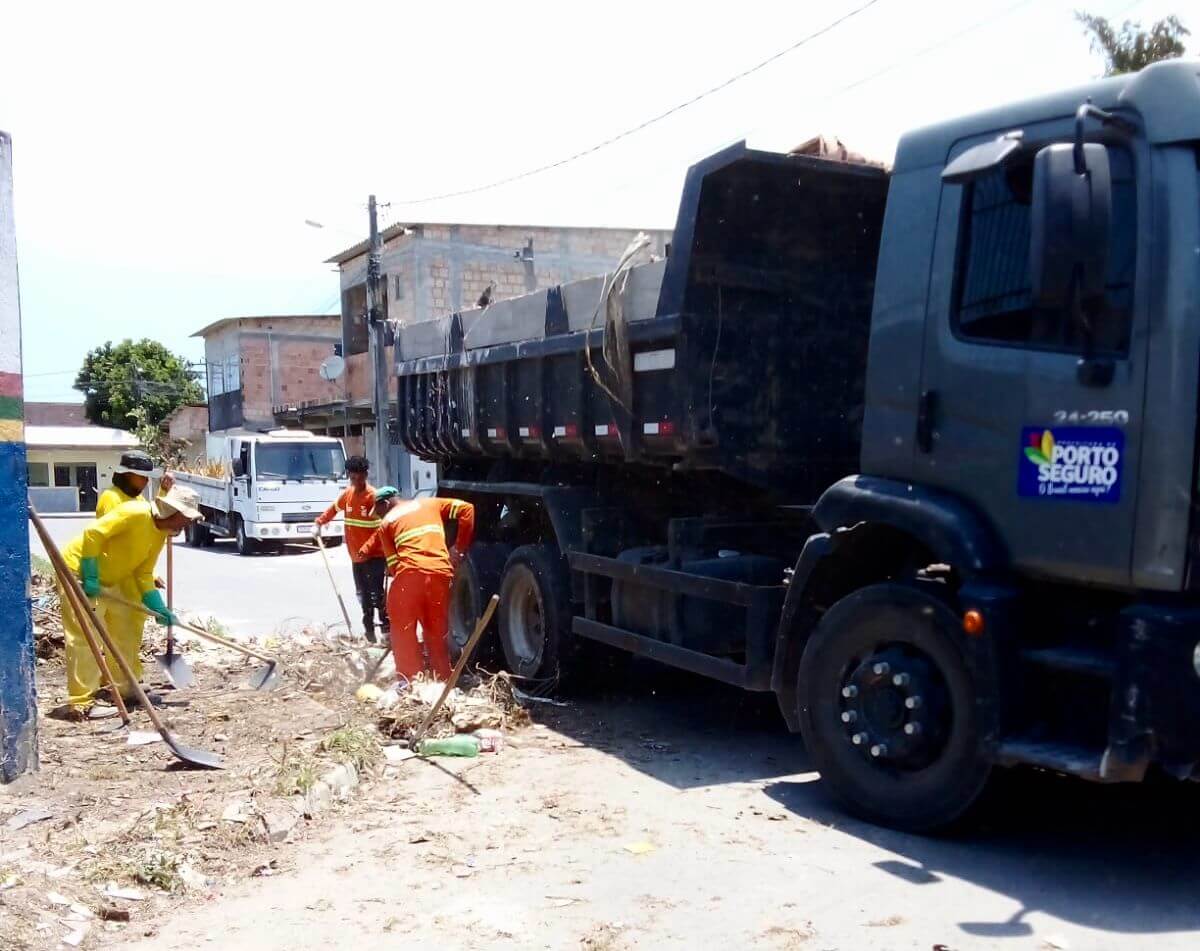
[(1068, 225), (238, 469)]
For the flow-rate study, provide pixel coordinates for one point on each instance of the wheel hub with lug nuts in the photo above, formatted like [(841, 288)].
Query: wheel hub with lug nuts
[(894, 708)]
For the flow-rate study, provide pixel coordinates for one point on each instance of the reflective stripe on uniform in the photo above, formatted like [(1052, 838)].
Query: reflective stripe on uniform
[(455, 506), (363, 523), (417, 533)]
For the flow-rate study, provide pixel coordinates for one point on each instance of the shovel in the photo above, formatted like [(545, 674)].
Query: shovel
[(264, 679), (172, 665), (336, 592), (67, 579)]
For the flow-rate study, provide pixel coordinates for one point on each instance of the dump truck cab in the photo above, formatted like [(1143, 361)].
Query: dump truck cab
[(972, 381)]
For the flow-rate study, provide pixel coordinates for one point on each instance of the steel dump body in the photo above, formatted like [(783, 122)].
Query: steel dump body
[(747, 346)]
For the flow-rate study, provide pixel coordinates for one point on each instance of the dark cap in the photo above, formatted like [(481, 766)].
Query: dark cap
[(138, 463)]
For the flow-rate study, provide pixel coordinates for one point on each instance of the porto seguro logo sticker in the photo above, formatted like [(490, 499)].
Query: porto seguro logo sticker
[(1074, 463)]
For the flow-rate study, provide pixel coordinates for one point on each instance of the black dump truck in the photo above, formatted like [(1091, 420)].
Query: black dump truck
[(914, 450)]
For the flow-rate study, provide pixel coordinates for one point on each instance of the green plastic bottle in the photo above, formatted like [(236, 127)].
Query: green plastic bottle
[(462, 744)]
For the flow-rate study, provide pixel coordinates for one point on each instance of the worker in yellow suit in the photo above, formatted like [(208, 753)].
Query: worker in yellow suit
[(129, 481), (120, 551)]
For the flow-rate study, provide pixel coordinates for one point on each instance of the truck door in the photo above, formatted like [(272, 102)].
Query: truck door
[(1007, 420)]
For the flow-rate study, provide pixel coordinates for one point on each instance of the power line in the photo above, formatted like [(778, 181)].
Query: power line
[(648, 122)]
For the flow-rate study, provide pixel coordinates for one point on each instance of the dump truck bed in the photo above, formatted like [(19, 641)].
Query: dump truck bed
[(746, 346)]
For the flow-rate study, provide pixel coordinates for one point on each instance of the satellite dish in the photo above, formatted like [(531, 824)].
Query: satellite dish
[(332, 368)]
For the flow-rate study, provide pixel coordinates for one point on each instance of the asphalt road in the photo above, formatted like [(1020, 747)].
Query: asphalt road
[(254, 596)]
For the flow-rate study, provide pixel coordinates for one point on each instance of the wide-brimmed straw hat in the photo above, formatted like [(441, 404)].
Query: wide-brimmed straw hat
[(179, 498)]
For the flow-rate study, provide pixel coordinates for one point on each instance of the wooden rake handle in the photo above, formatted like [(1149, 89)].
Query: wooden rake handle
[(198, 631)]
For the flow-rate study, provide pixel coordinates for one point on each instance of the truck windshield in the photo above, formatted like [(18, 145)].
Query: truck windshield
[(299, 461)]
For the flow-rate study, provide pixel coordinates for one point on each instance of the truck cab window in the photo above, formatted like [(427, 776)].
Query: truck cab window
[(993, 300)]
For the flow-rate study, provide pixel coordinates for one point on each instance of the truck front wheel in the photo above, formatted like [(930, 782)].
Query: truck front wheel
[(535, 611), (245, 544), (887, 709)]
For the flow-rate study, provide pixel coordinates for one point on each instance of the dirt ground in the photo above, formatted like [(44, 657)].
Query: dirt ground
[(673, 813), (103, 818)]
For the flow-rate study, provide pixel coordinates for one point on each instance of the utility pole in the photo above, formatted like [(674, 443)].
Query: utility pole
[(377, 343)]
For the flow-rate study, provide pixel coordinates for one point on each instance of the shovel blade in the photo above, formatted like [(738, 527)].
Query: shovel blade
[(194, 757), (267, 678), (177, 670)]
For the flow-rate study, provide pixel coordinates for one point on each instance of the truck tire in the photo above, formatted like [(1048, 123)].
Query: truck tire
[(476, 580), (887, 709), (197, 535), (245, 544), (535, 612), (332, 542)]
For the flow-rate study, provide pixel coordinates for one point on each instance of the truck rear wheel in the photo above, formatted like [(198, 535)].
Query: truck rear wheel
[(476, 580), (535, 611), (245, 544), (197, 535), (887, 709)]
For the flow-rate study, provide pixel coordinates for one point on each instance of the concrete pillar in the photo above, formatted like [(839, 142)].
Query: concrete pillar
[(18, 710)]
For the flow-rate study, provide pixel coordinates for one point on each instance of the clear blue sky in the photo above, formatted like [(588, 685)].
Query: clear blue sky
[(168, 156)]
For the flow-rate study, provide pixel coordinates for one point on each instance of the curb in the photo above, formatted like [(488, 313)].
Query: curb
[(336, 784)]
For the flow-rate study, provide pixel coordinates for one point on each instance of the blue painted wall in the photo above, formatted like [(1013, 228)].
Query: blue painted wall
[(18, 709)]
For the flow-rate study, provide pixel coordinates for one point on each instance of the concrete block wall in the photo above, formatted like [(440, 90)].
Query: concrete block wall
[(437, 269), (18, 707), (279, 362)]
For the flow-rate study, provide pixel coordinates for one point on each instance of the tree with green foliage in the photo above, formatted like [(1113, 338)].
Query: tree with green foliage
[(116, 380), (1128, 48)]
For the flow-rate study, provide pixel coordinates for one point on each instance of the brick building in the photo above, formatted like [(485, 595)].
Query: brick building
[(433, 269), (257, 363)]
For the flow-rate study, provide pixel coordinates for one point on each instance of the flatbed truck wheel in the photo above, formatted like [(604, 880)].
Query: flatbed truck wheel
[(245, 544), (476, 580), (535, 612), (887, 709)]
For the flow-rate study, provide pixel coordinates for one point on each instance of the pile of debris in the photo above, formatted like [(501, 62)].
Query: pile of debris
[(49, 640), (489, 705)]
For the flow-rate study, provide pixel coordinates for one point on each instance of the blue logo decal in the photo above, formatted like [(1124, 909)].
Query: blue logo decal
[(1075, 463)]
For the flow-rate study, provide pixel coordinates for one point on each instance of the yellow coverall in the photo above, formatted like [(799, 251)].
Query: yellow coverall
[(125, 624), (127, 545)]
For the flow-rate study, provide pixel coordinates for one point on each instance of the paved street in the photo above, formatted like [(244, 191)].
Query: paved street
[(252, 596)]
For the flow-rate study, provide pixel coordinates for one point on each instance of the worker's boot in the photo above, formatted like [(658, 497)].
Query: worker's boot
[(369, 633)]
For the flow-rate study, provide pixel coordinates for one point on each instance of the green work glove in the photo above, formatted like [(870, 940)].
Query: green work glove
[(89, 571), (153, 599)]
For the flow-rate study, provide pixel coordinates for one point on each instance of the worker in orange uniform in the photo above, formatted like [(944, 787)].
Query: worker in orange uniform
[(358, 502), (413, 539)]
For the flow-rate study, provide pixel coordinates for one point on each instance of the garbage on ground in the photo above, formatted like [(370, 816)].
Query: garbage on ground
[(524, 697), (368, 693), (490, 705), (125, 894), (28, 818), (640, 848), (460, 745), (490, 741)]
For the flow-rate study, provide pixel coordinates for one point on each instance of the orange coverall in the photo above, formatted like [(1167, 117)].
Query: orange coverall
[(413, 539)]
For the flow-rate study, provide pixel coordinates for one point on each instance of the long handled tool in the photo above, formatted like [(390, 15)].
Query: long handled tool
[(263, 679), (336, 592), (83, 621), (468, 650), (193, 757), (173, 666)]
